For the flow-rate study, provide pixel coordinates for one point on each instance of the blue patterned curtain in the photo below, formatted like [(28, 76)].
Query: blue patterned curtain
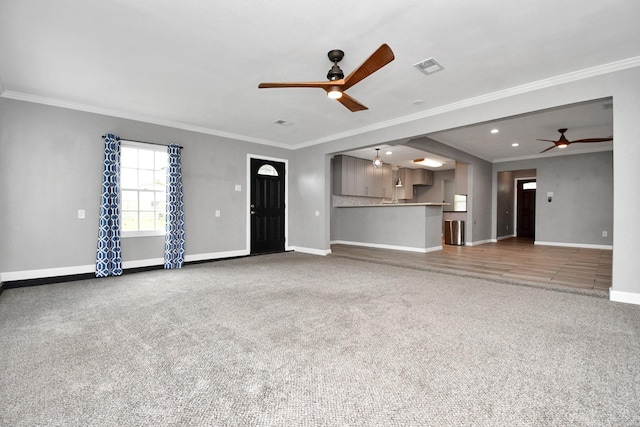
[(174, 244), (109, 257)]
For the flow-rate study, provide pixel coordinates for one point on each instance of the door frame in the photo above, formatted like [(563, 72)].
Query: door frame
[(286, 198), (515, 202)]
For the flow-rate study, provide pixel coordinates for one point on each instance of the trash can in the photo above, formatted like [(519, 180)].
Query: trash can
[(454, 233)]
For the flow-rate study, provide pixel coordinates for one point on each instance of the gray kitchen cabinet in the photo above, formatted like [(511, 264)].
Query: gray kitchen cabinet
[(344, 176), (361, 178), (387, 182), (422, 177), (369, 178), (381, 183), (406, 191), (358, 177)]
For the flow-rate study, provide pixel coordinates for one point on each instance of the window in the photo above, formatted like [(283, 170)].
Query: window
[(460, 203), (143, 182), (267, 170)]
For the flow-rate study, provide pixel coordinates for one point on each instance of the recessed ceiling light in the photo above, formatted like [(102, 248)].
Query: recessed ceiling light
[(388, 153), (418, 101), (494, 131), (515, 144), (429, 162)]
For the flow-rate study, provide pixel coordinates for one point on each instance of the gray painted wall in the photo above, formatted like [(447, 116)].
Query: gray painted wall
[(505, 194), (51, 165), (582, 205), (433, 193), (478, 185)]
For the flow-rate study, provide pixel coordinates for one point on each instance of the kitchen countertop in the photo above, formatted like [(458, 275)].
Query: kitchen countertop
[(384, 205)]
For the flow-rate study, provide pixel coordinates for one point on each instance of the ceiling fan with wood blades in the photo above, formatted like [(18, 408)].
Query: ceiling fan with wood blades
[(563, 142), (337, 83)]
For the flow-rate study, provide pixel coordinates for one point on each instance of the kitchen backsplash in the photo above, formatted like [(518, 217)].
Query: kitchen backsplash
[(356, 200)]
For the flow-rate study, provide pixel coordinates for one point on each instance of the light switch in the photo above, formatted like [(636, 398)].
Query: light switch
[(217, 214), (238, 187), (81, 214)]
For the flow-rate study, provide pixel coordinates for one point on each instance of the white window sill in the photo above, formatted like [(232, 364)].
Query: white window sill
[(128, 234)]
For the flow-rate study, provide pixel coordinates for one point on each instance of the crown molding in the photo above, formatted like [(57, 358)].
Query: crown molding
[(482, 99), (19, 96)]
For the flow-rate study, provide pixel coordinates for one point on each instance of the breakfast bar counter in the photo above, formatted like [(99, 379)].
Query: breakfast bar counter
[(415, 227)]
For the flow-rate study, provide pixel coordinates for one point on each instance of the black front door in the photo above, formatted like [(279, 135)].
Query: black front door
[(267, 206), (526, 210)]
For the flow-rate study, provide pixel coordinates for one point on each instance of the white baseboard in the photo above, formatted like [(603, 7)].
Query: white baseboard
[(138, 263), (10, 276), (215, 255), (479, 242), (626, 297), (392, 247), (574, 245), (508, 236), (312, 251)]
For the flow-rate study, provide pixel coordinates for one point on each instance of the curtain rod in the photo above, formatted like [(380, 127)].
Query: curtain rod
[(143, 142)]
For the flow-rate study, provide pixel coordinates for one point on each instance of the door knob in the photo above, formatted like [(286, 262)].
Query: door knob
[(252, 212)]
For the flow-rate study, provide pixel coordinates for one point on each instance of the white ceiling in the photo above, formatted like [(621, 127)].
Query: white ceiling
[(196, 65), (401, 156)]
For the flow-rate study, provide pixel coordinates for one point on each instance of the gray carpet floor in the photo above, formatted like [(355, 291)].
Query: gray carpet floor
[(300, 340)]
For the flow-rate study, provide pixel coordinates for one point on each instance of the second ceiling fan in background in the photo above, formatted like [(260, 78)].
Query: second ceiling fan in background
[(564, 142), (337, 83)]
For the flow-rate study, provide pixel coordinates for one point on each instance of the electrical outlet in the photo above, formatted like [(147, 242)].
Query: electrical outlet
[(604, 233), (81, 214), (217, 214)]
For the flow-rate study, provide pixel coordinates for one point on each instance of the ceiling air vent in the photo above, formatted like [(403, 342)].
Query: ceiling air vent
[(428, 66), (283, 123)]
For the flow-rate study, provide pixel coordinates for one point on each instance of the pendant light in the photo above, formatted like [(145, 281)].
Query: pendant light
[(377, 160), (398, 181)]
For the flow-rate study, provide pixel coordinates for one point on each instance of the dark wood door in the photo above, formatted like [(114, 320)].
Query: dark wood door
[(526, 210), (267, 206)]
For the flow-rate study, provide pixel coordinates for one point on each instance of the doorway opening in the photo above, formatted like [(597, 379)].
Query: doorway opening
[(526, 208)]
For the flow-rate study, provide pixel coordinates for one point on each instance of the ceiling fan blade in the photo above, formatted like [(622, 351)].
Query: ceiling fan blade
[(550, 148), (377, 60), (351, 103), (322, 85), (546, 140), (593, 140)]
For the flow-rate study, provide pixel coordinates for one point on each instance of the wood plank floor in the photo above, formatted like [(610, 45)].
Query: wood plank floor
[(515, 259)]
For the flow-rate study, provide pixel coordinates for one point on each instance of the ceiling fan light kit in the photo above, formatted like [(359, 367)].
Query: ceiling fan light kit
[(334, 92), (337, 84)]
